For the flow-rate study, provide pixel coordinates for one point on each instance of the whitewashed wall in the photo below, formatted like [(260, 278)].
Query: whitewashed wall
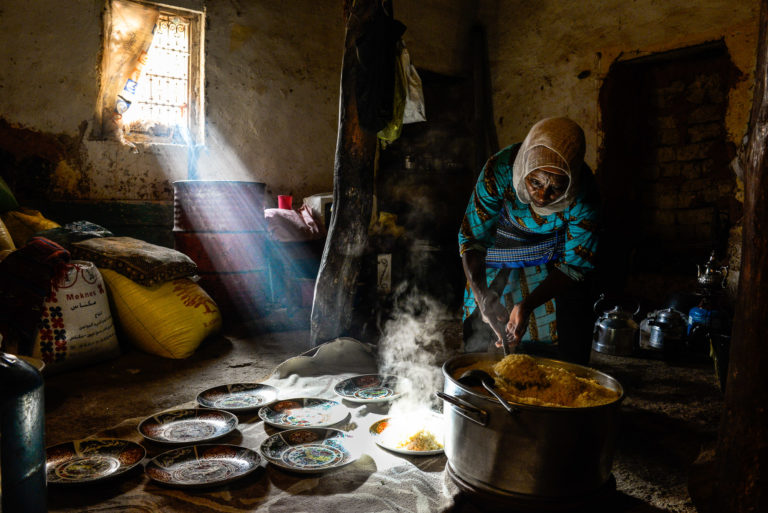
[(272, 87)]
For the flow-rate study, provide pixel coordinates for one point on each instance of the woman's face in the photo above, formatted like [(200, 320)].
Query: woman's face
[(546, 185)]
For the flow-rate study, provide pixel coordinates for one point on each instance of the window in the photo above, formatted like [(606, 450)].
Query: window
[(152, 86), (165, 107)]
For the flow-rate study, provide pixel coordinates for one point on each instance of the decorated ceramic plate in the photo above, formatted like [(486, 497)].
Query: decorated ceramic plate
[(85, 461), (187, 426), (414, 435), (303, 412), (310, 450), (202, 465), (237, 397), (371, 388)]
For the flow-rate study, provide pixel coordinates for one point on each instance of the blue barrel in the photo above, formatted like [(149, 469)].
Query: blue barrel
[(22, 444)]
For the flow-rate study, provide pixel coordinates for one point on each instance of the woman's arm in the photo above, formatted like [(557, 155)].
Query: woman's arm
[(491, 309), (553, 285)]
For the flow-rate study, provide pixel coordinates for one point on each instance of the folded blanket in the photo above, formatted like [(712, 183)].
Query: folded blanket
[(140, 261)]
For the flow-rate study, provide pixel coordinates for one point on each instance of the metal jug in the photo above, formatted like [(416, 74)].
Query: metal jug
[(666, 330), (615, 330)]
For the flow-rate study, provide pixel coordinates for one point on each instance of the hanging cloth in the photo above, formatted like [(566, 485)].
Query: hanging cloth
[(413, 110), (128, 38)]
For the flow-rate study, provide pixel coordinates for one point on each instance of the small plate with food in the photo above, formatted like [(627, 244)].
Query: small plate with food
[(420, 434), (371, 388)]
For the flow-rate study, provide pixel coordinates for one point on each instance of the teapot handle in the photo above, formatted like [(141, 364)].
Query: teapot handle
[(599, 300), (724, 269), (602, 298)]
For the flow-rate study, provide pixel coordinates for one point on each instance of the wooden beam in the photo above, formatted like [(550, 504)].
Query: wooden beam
[(353, 180), (741, 459)]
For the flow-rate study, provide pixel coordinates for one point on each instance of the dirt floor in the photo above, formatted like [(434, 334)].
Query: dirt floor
[(670, 413)]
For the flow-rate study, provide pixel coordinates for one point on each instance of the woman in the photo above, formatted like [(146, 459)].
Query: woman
[(528, 242)]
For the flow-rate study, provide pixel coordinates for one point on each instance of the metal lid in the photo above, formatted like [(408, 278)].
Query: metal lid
[(670, 316), (617, 319)]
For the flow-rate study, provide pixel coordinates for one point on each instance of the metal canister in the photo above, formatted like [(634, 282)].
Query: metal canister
[(22, 436)]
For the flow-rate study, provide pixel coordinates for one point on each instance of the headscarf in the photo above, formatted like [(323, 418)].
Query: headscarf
[(552, 143)]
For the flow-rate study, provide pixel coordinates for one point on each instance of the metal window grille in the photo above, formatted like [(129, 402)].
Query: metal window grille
[(161, 104)]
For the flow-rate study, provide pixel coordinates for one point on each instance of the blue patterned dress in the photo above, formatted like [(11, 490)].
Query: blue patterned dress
[(517, 238)]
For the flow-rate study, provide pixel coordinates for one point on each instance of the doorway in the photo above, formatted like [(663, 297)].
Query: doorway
[(667, 188)]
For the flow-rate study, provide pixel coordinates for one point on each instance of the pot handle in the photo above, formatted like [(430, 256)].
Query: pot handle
[(465, 409)]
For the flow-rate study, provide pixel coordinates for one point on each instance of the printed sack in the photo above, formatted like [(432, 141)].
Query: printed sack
[(76, 326)]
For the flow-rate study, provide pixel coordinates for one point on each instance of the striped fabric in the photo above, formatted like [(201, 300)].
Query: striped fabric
[(516, 246)]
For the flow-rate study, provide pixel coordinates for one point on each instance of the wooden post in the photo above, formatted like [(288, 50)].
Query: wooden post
[(353, 182), (741, 458)]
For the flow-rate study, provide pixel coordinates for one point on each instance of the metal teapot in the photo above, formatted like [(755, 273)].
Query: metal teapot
[(711, 277), (663, 330), (615, 330)]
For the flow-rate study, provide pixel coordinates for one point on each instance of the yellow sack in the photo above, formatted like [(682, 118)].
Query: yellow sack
[(6, 241), (23, 222), (168, 320)]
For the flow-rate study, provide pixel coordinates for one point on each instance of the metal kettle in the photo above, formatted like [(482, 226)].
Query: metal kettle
[(665, 330), (615, 331)]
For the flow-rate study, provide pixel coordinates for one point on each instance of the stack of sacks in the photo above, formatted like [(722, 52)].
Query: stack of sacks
[(158, 307)]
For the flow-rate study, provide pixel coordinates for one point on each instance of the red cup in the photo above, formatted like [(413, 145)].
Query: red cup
[(285, 202)]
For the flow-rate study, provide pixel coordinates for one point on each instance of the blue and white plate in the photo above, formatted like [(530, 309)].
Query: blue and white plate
[(371, 388), (202, 465), (188, 426), (303, 412), (310, 450), (237, 397)]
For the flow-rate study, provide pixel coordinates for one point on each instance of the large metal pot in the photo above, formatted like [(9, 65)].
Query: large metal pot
[(547, 452)]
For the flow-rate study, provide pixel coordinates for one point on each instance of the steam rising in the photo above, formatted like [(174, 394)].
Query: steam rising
[(412, 346)]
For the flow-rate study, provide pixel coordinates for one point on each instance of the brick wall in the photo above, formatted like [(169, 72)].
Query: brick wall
[(669, 193), (686, 187)]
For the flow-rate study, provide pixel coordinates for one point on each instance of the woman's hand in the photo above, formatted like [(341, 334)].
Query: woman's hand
[(518, 323), (494, 314)]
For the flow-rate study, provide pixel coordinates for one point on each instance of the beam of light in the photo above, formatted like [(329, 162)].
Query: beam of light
[(219, 222)]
